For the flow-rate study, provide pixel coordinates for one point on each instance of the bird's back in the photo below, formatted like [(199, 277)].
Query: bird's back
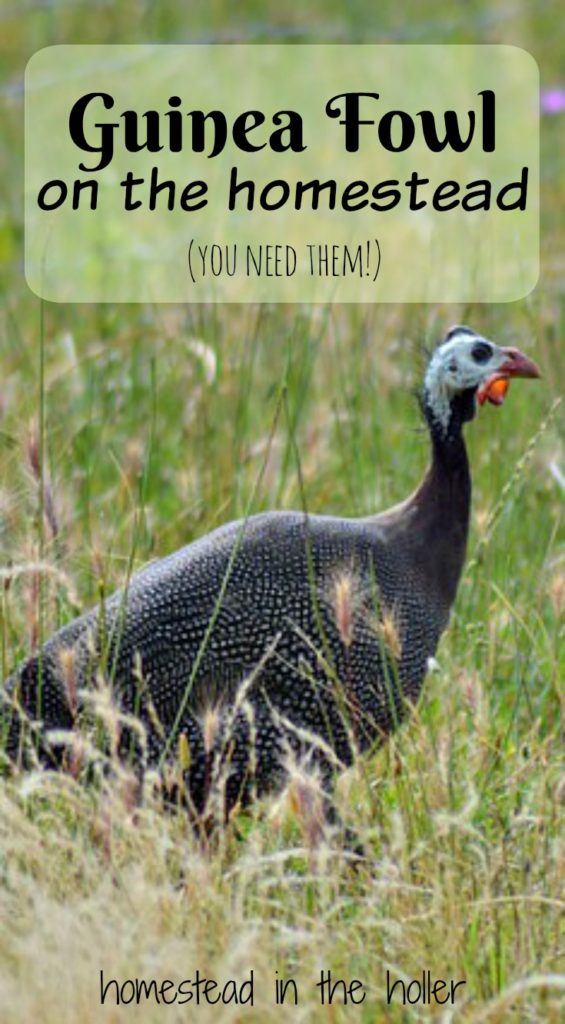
[(284, 626)]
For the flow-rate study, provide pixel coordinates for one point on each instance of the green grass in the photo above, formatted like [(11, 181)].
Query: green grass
[(126, 432)]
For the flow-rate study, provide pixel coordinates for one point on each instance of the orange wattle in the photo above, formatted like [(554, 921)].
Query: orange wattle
[(494, 390)]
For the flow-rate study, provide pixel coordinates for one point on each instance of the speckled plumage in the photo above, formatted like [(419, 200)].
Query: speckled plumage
[(276, 631), (283, 635)]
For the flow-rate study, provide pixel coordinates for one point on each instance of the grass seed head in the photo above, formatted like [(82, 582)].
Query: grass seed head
[(345, 603), (67, 665), (387, 629), (306, 803), (184, 752), (557, 592), (210, 728)]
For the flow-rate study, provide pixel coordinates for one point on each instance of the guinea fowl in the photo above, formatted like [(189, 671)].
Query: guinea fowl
[(283, 636)]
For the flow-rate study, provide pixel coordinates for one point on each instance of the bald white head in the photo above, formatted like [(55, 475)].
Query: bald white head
[(465, 361)]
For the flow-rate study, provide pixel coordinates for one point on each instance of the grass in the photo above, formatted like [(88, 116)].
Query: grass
[(461, 811), (125, 433)]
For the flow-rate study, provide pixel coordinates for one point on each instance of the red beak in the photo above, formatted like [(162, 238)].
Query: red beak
[(517, 365)]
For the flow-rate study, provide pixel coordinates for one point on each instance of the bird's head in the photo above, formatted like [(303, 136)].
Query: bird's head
[(465, 369)]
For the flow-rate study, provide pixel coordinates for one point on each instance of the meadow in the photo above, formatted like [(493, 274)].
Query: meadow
[(128, 431)]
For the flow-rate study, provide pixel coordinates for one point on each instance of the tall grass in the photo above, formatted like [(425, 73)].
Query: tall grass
[(461, 812), (126, 432)]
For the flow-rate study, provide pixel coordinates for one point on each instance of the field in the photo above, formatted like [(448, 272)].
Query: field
[(125, 432)]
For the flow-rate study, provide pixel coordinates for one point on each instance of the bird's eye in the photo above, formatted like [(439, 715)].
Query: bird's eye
[(481, 352)]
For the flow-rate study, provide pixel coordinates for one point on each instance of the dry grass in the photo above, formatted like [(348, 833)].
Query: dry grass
[(464, 880), (126, 432), (462, 813)]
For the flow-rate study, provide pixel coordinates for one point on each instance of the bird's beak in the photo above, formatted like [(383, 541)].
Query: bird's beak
[(515, 364)]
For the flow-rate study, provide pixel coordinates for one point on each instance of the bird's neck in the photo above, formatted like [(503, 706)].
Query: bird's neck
[(446, 486), (443, 501), (430, 527)]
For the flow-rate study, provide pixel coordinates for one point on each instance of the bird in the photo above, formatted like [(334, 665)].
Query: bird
[(281, 639)]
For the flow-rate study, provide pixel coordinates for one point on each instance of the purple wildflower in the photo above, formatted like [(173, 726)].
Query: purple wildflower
[(553, 100)]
